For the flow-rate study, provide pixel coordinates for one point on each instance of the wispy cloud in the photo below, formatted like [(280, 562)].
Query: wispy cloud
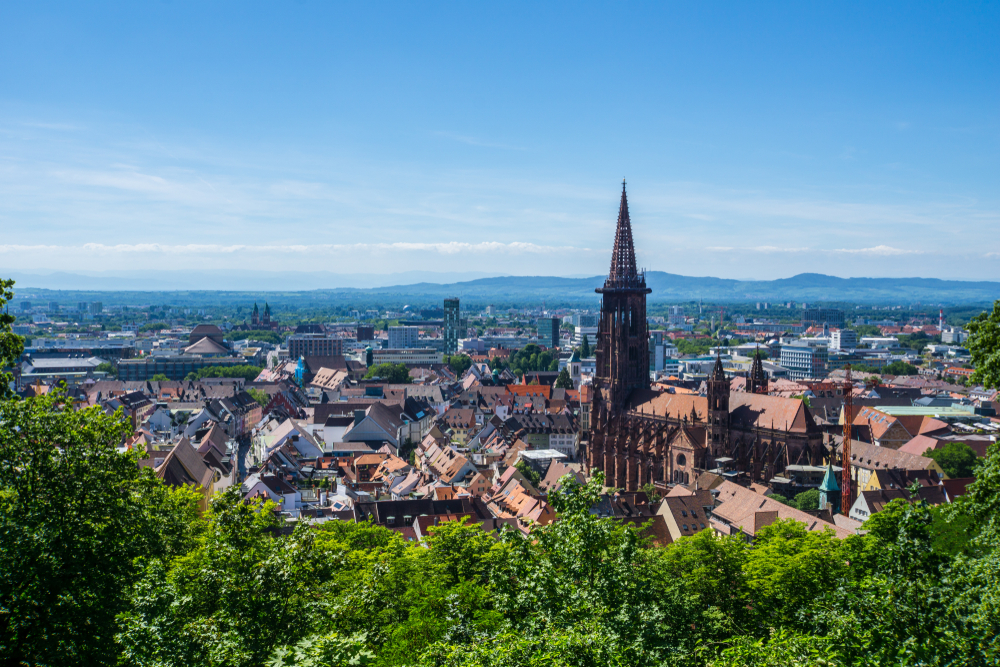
[(448, 248), (474, 141), (880, 250), (760, 248)]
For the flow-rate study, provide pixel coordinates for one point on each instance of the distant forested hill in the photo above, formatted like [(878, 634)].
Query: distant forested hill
[(667, 287)]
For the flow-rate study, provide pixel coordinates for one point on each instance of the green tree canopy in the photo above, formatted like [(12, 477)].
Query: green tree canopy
[(248, 373), (264, 336), (900, 368), (531, 358), (75, 513), (564, 381), (585, 348), (459, 363), (260, 396), (159, 377), (529, 473), (807, 500), (984, 346), (693, 346), (11, 345), (391, 373), (106, 367), (957, 459)]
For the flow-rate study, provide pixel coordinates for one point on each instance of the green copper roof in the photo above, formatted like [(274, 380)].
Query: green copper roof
[(829, 481)]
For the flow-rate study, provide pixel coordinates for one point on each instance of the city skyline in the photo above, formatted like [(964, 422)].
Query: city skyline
[(758, 144)]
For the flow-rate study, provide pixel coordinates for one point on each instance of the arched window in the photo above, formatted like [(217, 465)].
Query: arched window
[(681, 460)]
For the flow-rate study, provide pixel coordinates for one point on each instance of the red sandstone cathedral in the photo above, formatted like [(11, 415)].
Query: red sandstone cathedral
[(639, 435)]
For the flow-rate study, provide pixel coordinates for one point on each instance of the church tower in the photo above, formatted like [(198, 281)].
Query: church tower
[(718, 410), (622, 362), (757, 382), (255, 317)]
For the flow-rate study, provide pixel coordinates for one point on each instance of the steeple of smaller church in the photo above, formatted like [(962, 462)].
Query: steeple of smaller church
[(829, 491)]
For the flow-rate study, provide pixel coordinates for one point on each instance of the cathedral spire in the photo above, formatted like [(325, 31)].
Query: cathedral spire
[(623, 271)]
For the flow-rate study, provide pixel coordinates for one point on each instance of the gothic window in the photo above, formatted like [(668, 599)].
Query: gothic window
[(681, 459)]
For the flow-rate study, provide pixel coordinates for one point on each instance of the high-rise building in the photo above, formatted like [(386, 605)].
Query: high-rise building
[(805, 361), (401, 338), (548, 331), (844, 339), (832, 316), (452, 326), (365, 332), (675, 316), (314, 345), (96, 308)]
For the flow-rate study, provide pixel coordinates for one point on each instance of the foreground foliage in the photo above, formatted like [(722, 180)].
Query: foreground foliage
[(101, 565)]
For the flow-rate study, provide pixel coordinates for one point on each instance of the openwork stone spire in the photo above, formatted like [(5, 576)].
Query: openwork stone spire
[(623, 273)]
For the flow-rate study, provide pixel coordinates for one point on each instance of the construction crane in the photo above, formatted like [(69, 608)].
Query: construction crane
[(847, 498)]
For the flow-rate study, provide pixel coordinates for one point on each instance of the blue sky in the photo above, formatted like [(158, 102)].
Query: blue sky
[(759, 140)]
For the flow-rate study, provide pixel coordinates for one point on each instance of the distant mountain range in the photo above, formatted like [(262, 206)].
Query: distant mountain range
[(670, 287), (667, 287)]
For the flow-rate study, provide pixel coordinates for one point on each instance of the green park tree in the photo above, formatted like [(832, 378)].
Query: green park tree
[(106, 367), (391, 373), (564, 381), (11, 345), (247, 373), (807, 500), (984, 345), (459, 363), (529, 473), (260, 396), (75, 514), (957, 459)]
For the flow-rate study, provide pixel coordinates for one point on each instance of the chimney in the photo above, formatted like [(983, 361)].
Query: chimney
[(358, 416)]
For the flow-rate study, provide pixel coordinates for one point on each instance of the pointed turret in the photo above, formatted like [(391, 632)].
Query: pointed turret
[(758, 379), (718, 373)]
